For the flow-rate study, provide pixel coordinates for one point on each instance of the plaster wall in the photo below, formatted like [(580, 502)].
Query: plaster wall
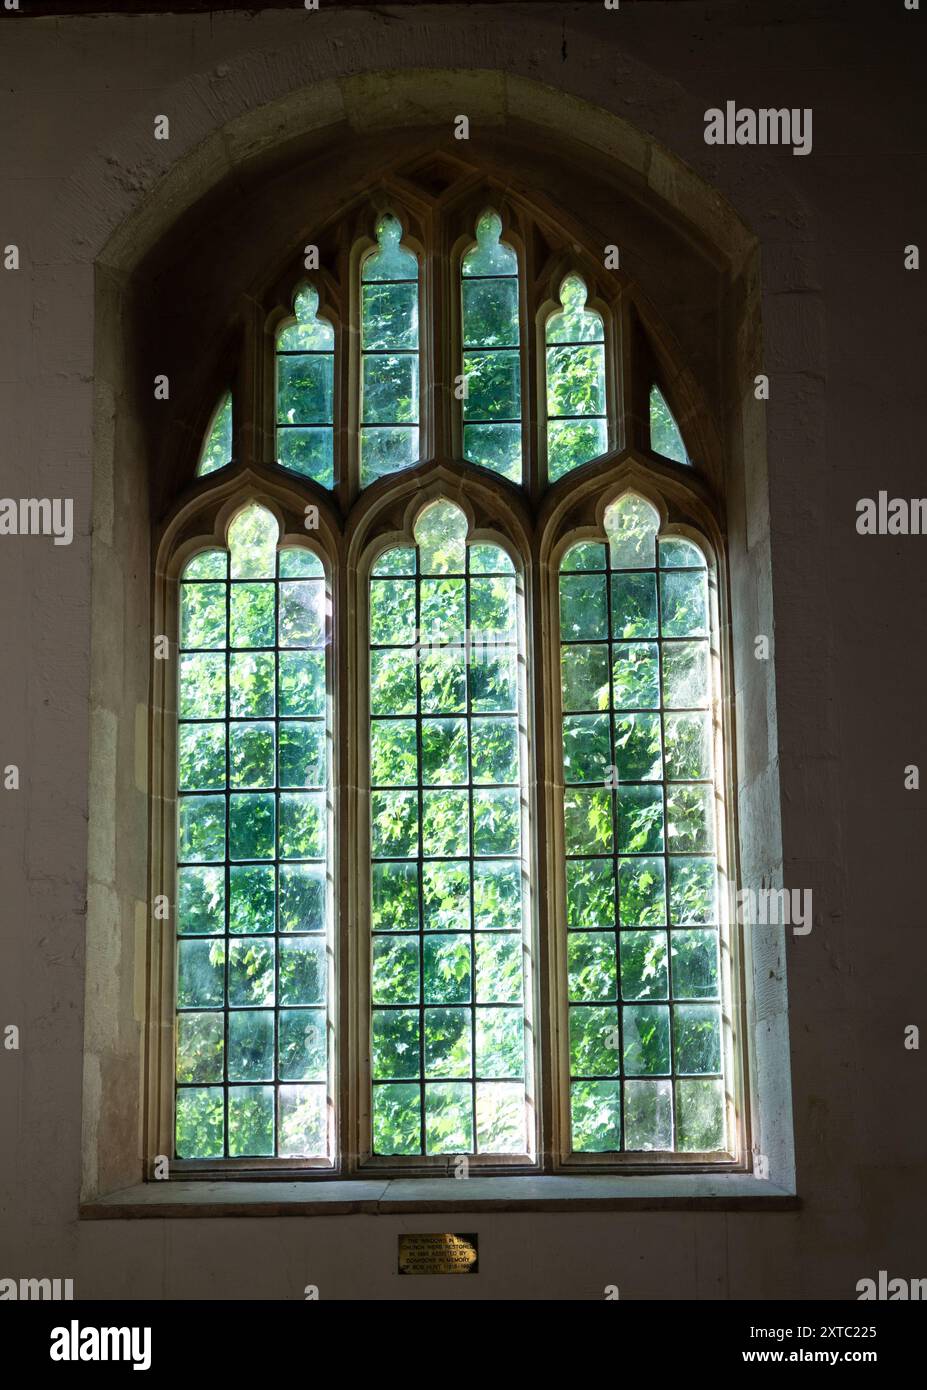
[(842, 342)]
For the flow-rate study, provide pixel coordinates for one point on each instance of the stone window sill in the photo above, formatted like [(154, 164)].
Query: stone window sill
[(396, 1196)]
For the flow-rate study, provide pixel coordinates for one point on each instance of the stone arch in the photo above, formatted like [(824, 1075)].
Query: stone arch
[(138, 188), (254, 123)]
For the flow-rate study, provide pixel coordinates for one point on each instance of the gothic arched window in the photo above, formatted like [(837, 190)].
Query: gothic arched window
[(451, 773)]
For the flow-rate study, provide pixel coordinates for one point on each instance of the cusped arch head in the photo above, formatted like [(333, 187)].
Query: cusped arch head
[(636, 519), (308, 328), (440, 530), (632, 525), (388, 511), (577, 506), (205, 518), (489, 254), (573, 321), (390, 257), (252, 537)]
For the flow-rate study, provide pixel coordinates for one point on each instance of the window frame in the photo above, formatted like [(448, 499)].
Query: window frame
[(635, 476), (535, 523), (203, 525), (279, 321), (412, 240), (463, 241), (616, 403), (377, 539)]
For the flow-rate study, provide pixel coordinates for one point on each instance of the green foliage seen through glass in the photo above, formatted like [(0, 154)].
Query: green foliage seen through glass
[(389, 410), (305, 391), (217, 446), (253, 905), (643, 938), (491, 351), (577, 426), (449, 979), (665, 437)]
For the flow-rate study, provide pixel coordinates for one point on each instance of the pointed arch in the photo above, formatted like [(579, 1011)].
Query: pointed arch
[(549, 239), (243, 845), (254, 893), (444, 726), (646, 953)]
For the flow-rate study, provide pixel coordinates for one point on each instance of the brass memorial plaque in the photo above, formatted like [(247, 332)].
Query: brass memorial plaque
[(433, 1253)]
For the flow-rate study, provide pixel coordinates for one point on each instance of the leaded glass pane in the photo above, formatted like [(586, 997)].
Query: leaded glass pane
[(577, 425), (254, 909), (217, 446), (665, 437), (491, 351), (643, 949), (389, 387), (450, 951), (305, 391)]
